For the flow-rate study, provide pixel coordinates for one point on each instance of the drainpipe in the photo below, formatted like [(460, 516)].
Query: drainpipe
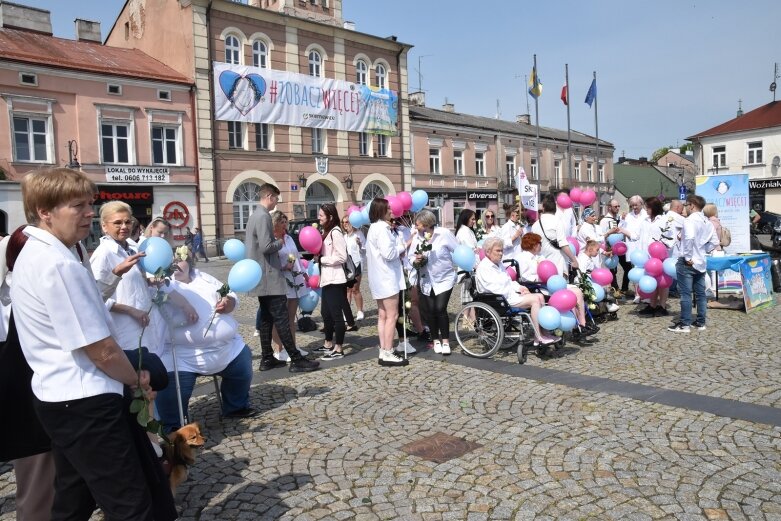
[(194, 120), (217, 216), (401, 112)]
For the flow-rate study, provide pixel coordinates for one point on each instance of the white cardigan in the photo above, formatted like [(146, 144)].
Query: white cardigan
[(383, 252)]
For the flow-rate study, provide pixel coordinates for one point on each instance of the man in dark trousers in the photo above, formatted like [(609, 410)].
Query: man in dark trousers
[(262, 246)]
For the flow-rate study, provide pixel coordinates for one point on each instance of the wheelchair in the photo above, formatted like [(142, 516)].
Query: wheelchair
[(495, 325)]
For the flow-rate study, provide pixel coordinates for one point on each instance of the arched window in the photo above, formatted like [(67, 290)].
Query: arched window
[(260, 54), (245, 201), (232, 50), (361, 69), (315, 64), (371, 191), (317, 193), (380, 74)]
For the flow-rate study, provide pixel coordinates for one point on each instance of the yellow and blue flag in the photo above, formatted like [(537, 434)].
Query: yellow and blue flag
[(535, 84)]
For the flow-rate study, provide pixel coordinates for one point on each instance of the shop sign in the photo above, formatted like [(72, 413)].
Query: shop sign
[(481, 195), (137, 174), (178, 215), (131, 196), (764, 184)]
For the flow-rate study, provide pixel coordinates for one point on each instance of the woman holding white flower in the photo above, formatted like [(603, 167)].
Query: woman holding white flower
[(333, 256)]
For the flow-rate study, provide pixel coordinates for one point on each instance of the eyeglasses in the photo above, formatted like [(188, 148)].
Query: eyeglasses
[(489, 216), (616, 206), (119, 224)]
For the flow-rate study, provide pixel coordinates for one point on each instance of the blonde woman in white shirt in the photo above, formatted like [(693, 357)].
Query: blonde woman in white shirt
[(511, 233), (386, 278), (356, 249)]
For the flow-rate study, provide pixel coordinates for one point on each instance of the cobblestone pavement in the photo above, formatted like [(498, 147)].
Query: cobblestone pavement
[(328, 445)]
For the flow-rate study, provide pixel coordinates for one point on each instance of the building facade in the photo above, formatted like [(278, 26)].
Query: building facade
[(273, 38), (123, 118), (749, 143)]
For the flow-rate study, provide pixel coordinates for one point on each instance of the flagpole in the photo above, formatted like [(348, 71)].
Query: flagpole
[(596, 124), (537, 125), (569, 139)]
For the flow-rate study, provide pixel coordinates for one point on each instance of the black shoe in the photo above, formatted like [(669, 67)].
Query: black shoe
[(424, 336), (588, 330), (661, 312), (354, 327), (323, 349), (322, 329), (247, 412), (302, 365), (271, 363), (647, 311)]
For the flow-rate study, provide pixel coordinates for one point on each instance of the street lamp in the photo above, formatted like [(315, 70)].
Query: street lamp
[(73, 152), (302, 180), (348, 181)]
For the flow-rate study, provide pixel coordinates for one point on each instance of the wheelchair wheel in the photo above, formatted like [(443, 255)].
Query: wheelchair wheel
[(482, 337), (515, 329)]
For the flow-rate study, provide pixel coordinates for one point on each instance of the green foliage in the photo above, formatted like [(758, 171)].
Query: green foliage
[(659, 153)]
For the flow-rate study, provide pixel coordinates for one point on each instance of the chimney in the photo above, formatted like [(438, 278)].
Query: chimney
[(523, 119), (417, 99), (24, 17), (350, 26), (448, 107), (87, 30), (740, 108)]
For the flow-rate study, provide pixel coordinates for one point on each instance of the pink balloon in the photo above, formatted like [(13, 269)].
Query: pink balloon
[(406, 200), (545, 270), (602, 276), (396, 207), (588, 197), (310, 239), (481, 253), (511, 272), (654, 267), (563, 201), (657, 250), (603, 246), (619, 248), (313, 281), (575, 244), (563, 300), (352, 209), (304, 263), (575, 194), (531, 216), (664, 280), (643, 294)]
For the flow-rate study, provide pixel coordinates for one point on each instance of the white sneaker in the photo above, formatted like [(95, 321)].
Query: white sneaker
[(445, 348), (612, 307), (438, 347), (282, 356), (256, 333), (389, 358), (359, 315), (636, 300), (400, 347)]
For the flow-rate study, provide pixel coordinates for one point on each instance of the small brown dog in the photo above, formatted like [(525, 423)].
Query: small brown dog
[(179, 452)]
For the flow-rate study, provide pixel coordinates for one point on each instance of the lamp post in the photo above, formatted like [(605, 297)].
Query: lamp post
[(302, 180), (348, 181), (73, 152)]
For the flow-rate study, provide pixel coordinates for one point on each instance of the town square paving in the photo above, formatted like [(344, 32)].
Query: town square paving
[(638, 424)]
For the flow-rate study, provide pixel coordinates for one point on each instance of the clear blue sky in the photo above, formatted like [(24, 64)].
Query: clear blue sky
[(665, 69)]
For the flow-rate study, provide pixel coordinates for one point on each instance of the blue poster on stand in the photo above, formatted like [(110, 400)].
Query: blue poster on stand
[(729, 193), (757, 284)]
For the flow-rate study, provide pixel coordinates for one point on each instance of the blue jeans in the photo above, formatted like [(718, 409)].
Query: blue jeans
[(691, 281), (236, 379)]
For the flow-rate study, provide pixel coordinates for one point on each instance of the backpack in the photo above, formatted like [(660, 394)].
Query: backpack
[(725, 239), (306, 323), (350, 271)]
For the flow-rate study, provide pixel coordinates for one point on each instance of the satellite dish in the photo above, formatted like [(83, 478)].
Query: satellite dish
[(776, 161)]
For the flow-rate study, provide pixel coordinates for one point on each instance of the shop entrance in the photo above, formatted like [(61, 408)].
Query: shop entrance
[(317, 194)]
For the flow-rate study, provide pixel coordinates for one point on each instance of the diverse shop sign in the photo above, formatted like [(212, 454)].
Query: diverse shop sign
[(137, 174)]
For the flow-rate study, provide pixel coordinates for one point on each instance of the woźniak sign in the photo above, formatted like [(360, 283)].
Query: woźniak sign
[(762, 184), (137, 174)]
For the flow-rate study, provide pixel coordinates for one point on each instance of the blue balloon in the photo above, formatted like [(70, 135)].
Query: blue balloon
[(614, 238), (313, 268), (356, 219), (549, 318), (464, 257), (599, 292), (480, 243), (611, 263), (308, 302), (668, 265), (244, 275), (419, 200), (635, 274), (365, 215), (234, 249), (639, 258), (647, 284), (555, 283), (158, 254), (568, 321)]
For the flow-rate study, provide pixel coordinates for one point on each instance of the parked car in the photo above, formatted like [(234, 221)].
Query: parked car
[(767, 221), (295, 226)]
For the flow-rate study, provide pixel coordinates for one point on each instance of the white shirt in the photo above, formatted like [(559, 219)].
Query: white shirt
[(467, 237), (289, 247), (383, 251), (587, 263), (439, 272), (589, 232), (527, 263), (608, 222), (554, 235), (356, 246), (567, 217), (651, 231), (633, 223), (59, 310), (512, 248), (133, 291), (403, 235), (491, 278), (194, 352), (697, 239), (5, 291), (671, 233)]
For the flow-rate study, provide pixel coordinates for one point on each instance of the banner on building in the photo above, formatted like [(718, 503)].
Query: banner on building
[(255, 95), (729, 193)]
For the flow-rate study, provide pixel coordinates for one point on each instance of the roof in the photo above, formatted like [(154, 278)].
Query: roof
[(766, 116), (498, 125), (43, 49), (645, 181)]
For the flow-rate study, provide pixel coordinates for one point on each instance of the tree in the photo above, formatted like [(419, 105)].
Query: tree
[(659, 153)]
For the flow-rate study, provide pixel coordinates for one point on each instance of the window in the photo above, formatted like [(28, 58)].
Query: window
[(372, 191), (115, 139), (509, 166), (601, 173), (114, 89), (382, 146), (235, 135), (380, 73), (719, 156), (165, 145), (245, 201), (557, 170), (361, 70), (480, 164), (260, 54), (534, 168), (576, 171), (232, 50), (590, 171), (363, 144), (31, 139), (262, 136), (433, 161), (755, 153), (317, 140), (28, 78), (164, 95), (315, 64), (458, 162)]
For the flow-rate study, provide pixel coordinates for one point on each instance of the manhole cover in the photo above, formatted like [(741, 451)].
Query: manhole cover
[(440, 447)]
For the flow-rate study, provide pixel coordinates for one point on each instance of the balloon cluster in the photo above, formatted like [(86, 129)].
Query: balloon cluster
[(246, 273), (309, 300), (577, 196), (557, 314), (652, 269)]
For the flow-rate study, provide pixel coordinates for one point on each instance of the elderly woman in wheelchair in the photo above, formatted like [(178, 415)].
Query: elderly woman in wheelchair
[(501, 309)]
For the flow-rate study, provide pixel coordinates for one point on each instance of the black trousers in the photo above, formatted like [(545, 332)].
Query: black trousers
[(436, 313), (333, 305), (625, 266), (273, 312), (96, 460)]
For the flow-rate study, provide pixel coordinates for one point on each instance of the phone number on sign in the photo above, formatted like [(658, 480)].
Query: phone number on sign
[(137, 178)]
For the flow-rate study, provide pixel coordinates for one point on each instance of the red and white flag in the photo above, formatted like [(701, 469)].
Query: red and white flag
[(565, 94)]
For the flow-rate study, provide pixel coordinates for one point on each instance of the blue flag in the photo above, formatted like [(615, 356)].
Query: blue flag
[(592, 92), (535, 84)]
